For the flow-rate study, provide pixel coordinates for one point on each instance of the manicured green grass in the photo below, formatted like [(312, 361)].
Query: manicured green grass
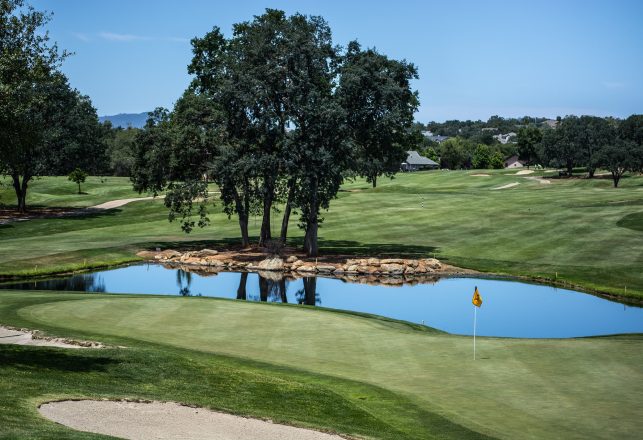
[(360, 375), (578, 231), (144, 370), (60, 192)]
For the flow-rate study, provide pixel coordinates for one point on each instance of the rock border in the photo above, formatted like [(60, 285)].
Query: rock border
[(393, 271)]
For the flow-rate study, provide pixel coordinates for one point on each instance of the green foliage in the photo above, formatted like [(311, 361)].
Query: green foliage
[(78, 176), (482, 157), (376, 94), (120, 148), (44, 124), (456, 153), (618, 158), (528, 140)]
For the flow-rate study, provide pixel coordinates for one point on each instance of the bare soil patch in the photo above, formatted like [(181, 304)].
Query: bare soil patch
[(168, 420), (523, 172)]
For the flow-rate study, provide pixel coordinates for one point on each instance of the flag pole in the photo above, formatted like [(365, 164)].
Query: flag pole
[(475, 316)]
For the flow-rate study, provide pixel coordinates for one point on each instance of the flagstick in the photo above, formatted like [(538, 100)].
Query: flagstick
[(475, 316)]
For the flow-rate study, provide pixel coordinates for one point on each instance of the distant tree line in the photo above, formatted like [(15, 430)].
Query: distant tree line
[(588, 142), (276, 115)]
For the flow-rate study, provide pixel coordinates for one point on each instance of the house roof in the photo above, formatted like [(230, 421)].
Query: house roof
[(437, 138), (414, 158), (513, 159)]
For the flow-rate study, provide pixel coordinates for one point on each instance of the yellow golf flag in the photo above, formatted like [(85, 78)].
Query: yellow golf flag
[(477, 299)]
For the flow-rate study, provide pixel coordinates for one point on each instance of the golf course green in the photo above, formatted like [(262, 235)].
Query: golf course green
[(515, 389), (341, 372)]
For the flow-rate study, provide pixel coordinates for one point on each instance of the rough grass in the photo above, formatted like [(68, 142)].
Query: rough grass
[(577, 230), (314, 367)]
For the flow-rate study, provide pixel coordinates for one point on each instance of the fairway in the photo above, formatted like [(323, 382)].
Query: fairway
[(516, 389), (577, 231)]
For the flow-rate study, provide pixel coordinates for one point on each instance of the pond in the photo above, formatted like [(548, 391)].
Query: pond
[(510, 308)]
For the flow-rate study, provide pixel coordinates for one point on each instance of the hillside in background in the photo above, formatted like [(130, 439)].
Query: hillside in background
[(136, 120)]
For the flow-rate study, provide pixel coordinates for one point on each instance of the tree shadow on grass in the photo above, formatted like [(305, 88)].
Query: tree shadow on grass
[(45, 358)]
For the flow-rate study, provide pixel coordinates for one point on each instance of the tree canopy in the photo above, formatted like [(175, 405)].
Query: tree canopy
[(276, 113)]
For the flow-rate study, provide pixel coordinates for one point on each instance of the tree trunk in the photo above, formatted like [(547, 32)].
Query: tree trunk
[(79, 188), (374, 179), (591, 171), (266, 235), (21, 191), (243, 225), (615, 178), (242, 213), (241, 290), (310, 239), (570, 168), (287, 210)]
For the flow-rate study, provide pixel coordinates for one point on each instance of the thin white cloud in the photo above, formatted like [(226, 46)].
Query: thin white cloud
[(81, 36), (112, 36), (613, 84)]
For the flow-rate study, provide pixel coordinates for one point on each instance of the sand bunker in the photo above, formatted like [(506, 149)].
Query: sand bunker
[(480, 175), (27, 337), (509, 185), (158, 420), (523, 172), (539, 180)]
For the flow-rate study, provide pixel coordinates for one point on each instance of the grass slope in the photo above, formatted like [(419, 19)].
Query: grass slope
[(573, 389), (579, 230)]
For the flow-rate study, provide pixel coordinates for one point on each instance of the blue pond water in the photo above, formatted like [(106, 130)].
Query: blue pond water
[(510, 309)]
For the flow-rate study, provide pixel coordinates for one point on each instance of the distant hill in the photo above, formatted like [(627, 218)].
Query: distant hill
[(136, 120)]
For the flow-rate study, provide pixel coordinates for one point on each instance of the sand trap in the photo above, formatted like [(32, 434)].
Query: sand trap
[(480, 175), (509, 185), (539, 180), (27, 337), (523, 172), (158, 420), (118, 203)]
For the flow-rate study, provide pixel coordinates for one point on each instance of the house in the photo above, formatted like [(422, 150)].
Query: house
[(414, 162), (514, 162), (505, 138), (551, 123), (434, 137)]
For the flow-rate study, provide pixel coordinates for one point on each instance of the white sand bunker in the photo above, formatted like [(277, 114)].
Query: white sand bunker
[(158, 420), (480, 175), (27, 337), (540, 180), (509, 185), (523, 172)]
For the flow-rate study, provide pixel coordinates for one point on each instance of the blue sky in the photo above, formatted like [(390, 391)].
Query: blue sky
[(475, 58)]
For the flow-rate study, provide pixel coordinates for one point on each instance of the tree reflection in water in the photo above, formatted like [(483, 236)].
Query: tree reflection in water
[(272, 288), (308, 295), (87, 282), (181, 276)]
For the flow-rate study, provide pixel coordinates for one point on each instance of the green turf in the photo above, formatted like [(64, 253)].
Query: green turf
[(579, 388), (299, 396), (60, 192), (579, 231)]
